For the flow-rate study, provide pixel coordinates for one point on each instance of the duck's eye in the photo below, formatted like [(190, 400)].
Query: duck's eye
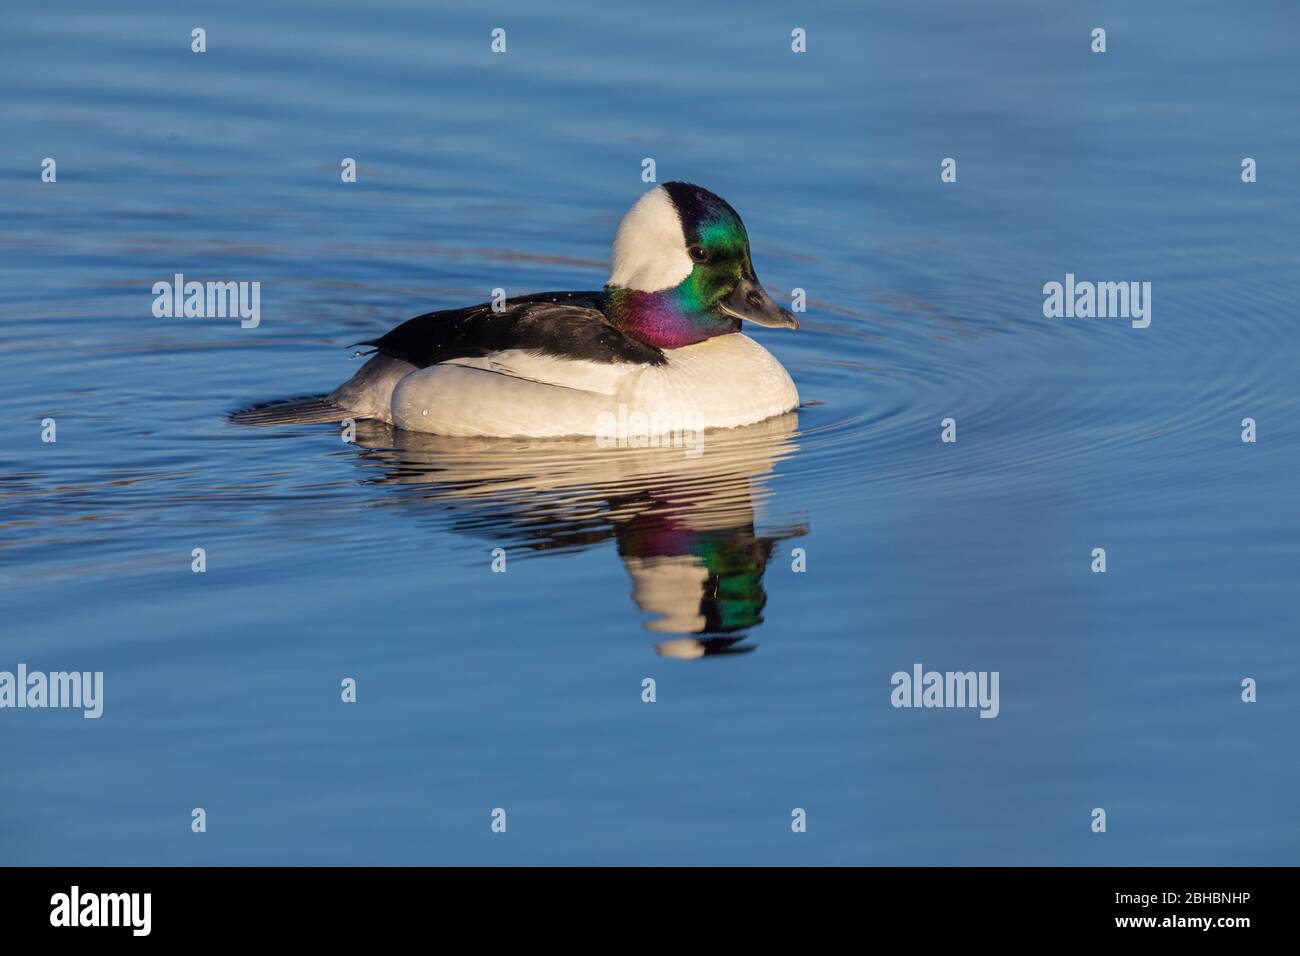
[(698, 254)]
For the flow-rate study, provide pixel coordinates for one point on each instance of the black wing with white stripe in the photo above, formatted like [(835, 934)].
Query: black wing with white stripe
[(564, 324)]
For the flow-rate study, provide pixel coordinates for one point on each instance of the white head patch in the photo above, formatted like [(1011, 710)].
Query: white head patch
[(650, 247)]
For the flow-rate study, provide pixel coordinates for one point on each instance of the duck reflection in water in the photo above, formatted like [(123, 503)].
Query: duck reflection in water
[(684, 527)]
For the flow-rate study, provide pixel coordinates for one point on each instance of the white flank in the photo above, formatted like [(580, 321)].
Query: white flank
[(599, 377), (726, 381)]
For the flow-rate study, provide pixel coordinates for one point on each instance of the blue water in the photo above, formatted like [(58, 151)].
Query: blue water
[(522, 690)]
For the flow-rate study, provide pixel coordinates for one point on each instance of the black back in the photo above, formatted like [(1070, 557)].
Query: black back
[(564, 324)]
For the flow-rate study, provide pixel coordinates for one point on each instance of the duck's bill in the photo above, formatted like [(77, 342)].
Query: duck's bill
[(752, 304)]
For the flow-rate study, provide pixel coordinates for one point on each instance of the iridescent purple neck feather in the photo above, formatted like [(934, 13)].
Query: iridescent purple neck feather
[(668, 319)]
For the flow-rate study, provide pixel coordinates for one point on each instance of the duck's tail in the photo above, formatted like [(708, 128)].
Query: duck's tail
[(367, 394), (292, 411)]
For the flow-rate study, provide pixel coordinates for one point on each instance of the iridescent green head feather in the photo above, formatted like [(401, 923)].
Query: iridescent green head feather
[(682, 270)]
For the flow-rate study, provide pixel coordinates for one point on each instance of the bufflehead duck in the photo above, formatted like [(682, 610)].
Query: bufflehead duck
[(662, 339)]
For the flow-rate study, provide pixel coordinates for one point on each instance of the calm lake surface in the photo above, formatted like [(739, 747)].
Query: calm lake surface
[(522, 691)]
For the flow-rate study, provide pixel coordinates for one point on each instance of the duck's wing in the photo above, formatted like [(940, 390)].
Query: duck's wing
[(563, 325)]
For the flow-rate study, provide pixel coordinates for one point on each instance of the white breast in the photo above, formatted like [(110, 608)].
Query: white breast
[(723, 382)]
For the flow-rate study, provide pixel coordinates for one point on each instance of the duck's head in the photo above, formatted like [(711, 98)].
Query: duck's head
[(682, 272)]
